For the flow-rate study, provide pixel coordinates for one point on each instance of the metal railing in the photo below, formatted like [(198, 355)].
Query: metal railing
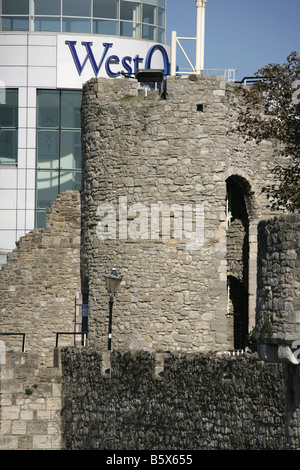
[(83, 335), (16, 334), (229, 74), (249, 80)]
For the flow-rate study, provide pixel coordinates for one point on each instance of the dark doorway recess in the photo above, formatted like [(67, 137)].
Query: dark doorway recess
[(238, 258)]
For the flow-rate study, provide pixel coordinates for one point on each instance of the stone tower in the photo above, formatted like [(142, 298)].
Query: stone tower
[(189, 276)]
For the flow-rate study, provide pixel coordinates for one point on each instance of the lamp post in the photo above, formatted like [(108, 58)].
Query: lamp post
[(112, 283)]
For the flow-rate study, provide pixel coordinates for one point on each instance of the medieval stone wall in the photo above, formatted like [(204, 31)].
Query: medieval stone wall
[(178, 149), (30, 403), (143, 401), (278, 289), (39, 283), (93, 400)]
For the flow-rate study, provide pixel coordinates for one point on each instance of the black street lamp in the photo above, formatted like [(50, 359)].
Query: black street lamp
[(112, 283)]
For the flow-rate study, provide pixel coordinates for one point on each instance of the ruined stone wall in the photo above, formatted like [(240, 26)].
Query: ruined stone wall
[(235, 254), (40, 281), (141, 401), (140, 151), (30, 403), (278, 289)]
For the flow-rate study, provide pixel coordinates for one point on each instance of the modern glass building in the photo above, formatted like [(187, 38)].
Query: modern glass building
[(135, 18), (48, 49)]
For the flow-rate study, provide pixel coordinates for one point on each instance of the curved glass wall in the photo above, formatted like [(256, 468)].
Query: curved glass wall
[(144, 19)]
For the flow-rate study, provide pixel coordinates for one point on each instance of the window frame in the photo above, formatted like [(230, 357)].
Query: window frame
[(13, 160), (55, 170), (56, 20)]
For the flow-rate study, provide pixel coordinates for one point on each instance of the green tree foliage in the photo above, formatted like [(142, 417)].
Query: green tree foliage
[(273, 112)]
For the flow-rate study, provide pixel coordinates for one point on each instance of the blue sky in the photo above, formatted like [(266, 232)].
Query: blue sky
[(239, 34)]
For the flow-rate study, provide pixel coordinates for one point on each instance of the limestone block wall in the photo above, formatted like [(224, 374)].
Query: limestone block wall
[(278, 295), (175, 150), (30, 404), (39, 284)]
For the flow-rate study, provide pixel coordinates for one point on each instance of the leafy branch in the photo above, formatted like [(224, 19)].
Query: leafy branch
[(272, 111)]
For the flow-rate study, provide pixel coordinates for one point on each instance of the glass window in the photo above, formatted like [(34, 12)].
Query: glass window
[(83, 16), (9, 127), (105, 8), (8, 147), (40, 218), (9, 108), (105, 27), (130, 11), (130, 29), (76, 25), (17, 23), (48, 108), (47, 148), (46, 7), (70, 150), (149, 14), (46, 24), (71, 109), (15, 7), (161, 36), (149, 32), (46, 187), (58, 146), (161, 17), (77, 7), (70, 180)]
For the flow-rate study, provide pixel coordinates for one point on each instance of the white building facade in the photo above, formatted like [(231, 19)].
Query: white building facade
[(48, 50)]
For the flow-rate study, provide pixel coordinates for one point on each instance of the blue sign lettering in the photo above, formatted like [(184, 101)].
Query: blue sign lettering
[(151, 51), (90, 56), (113, 59), (126, 61), (126, 66), (137, 61)]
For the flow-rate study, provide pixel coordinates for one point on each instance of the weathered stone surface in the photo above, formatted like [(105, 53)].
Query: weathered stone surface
[(278, 294), (173, 298), (140, 151), (30, 404), (196, 402), (40, 281)]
